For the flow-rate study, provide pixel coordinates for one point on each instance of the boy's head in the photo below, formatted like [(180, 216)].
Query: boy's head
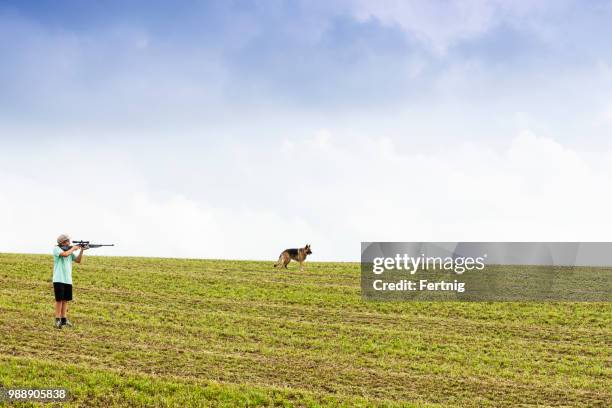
[(63, 240)]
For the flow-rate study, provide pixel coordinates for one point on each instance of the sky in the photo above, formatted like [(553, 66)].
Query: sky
[(236, 129)]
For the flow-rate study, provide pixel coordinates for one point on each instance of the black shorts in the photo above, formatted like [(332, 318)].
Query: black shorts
[(63, 291)]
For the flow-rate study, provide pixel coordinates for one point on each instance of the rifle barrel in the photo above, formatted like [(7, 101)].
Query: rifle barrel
[(87, 243)]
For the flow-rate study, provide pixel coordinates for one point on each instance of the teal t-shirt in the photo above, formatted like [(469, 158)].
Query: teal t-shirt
[(62, 266)]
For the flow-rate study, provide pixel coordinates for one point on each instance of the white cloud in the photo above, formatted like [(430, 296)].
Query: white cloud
[(441, 24), (332, 190)]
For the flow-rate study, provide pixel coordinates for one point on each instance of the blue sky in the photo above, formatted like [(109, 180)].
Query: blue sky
[(270, 120)]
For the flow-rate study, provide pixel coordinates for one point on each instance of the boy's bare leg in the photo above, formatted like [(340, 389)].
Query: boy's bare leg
[(64, 308), (58, 309), (64, 319), (58, 314)]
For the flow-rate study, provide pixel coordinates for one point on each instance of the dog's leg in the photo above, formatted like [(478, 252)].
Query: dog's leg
[(301, 266)]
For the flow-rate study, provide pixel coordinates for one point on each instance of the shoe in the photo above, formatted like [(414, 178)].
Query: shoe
[(67, 323), (58, 324)]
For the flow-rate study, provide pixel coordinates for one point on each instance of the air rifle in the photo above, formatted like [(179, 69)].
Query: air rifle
[(85, 245)]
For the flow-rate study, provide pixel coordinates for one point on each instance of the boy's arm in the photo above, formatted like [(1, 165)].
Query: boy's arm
[(70, 251), (78, 258)]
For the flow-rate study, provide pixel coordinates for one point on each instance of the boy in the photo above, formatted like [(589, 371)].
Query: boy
[(63, 255)]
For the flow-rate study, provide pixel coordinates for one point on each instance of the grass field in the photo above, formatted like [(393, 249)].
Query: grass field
[(168, 332)]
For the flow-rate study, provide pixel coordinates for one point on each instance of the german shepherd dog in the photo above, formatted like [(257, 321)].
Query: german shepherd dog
[(296, 254)]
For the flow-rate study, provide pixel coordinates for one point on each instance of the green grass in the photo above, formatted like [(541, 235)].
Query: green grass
[(169, 332)]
